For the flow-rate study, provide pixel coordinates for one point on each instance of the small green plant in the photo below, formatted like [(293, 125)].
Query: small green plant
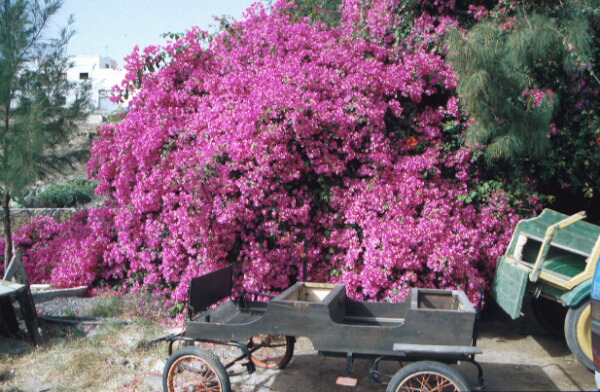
[(74, 193), (108, 308), (116, 117)]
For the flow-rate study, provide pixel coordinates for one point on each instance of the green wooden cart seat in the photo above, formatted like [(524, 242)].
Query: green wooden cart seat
[(578, 238)]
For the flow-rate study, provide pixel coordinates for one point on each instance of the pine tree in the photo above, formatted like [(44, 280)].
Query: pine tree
[(39, 107), (499, 64)]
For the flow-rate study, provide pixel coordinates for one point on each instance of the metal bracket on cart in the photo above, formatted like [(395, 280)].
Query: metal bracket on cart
[(374, 372), (247, 354), (480, 379), (445, 354)]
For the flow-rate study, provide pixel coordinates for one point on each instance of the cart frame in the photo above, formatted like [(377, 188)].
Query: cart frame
[(389, 331)]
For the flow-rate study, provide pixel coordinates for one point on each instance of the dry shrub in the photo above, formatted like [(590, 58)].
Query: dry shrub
[(110, 357)]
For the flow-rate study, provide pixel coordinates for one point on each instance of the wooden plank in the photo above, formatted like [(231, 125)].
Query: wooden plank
[(7, 288), (47, 295), (16, 270), (436, 349), (243, 318), (510, 287), (9, 326), (580, 235), (30, 315), (377, 310), (372, 320)]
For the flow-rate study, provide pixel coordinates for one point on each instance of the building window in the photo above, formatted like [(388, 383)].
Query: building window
[(84, 76)]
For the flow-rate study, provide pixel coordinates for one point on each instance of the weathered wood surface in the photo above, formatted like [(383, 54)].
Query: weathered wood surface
[(10, 291), (578, 237), (336, 323), (16, 270)]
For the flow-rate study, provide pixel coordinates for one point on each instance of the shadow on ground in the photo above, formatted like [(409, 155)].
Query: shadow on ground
[(519, 355), (314, 373)]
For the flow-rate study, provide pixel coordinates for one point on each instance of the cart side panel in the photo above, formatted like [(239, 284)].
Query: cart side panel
[(426, 317), (281, 315), (443, 317), (301, 318), (510, 287), (437, 327), (376, 310), (579, 237)]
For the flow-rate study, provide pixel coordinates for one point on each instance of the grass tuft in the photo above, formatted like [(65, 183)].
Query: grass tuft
[(105, 358)]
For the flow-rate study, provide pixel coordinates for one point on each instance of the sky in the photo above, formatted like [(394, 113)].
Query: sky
[(113, 27)]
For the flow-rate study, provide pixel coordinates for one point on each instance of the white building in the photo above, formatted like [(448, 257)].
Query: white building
[(103, 74)]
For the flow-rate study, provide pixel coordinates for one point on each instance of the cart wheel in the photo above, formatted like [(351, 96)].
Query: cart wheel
[(194, 369), (578, 333), (275, 351), (549, 314), (427, 376)]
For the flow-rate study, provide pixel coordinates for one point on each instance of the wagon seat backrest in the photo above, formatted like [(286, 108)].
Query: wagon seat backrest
[(207, 290)]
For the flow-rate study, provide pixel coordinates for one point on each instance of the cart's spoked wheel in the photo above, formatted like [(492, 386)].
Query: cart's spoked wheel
[(427, 376), (271, 351), (192, 369)]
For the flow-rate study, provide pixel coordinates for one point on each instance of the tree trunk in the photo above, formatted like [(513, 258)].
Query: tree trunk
[(7, 232)]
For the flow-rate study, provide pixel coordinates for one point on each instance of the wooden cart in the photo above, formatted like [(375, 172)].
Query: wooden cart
[(434, 328), (552, 259)]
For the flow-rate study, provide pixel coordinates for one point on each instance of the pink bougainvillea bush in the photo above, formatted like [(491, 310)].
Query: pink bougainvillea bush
[(71, 253), (278, 137)]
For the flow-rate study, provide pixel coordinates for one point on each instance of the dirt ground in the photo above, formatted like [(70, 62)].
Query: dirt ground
[(517, 356)]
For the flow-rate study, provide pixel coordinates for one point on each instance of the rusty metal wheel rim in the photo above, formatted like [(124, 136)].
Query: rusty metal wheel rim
[(273, 352), (428, 382), (193, 374)]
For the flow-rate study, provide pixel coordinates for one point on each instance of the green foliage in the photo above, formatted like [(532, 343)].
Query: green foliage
[(111, 307), (503, 57), (74, 193), (496, 68), (528, 80), (115, 117), (326, 11), (39, 107), (36, 116), (571, 169)]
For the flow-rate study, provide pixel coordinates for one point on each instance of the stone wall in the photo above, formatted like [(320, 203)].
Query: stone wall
[(19, 217)]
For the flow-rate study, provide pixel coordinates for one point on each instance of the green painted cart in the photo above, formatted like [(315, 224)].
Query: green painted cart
[(552, 259)]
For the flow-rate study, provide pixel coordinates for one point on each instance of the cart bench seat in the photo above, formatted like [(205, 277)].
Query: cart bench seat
[(230, 313), (243, 318), (563, 267), (375, 321)]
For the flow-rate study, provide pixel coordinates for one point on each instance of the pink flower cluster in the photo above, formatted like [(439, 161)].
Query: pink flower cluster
[(69, 254), (536, 96), (276, 137), (478, 11)]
